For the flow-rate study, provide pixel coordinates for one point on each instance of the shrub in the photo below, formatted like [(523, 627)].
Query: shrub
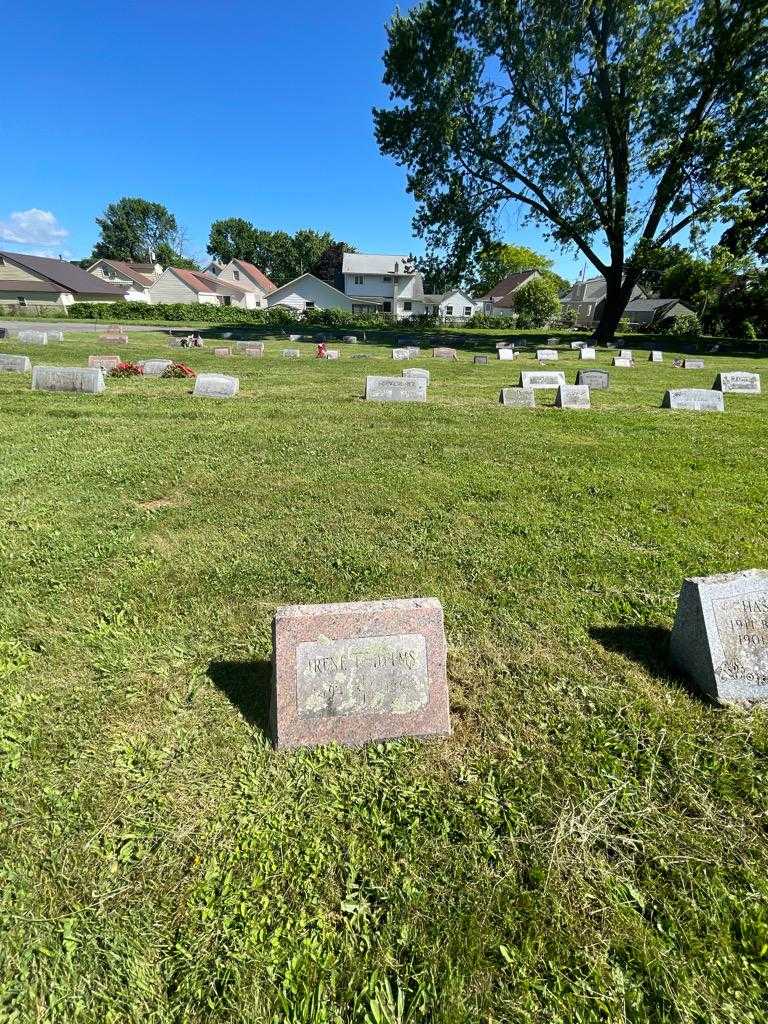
[(748, 331), (484, 320), (178, 370), (127, 370), (624, 324), (536, 303), (688, 326)]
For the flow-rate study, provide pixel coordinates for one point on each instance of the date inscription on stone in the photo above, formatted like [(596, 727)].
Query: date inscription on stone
[(363, 676), (742, 627)]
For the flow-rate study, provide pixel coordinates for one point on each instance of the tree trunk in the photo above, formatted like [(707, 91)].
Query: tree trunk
[(617, 296)]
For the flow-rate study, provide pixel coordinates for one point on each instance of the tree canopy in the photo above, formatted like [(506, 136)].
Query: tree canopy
[(281, 256), (611, 121), (139, 231), (496, 261)]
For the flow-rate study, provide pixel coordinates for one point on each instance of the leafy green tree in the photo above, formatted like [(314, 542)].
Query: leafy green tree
[(233, 239), (610, 121), (496, 261), (439, 275), (330, 262), (137, 230), (749, 232), (281, 256), (536, 303)]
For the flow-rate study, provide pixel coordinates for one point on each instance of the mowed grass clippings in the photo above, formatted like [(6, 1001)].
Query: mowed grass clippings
[(590, 845)]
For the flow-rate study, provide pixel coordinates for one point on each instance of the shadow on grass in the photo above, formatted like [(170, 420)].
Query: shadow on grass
[(649, 647), (246, 685)]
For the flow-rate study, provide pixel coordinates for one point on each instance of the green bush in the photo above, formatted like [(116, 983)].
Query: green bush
[(116, 312), (688, 326), (508, 321), (536, 303)]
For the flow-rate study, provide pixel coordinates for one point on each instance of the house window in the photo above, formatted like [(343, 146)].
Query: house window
[(387, 278), (449, 310), (467, 311), (2, 262), (309, 304), (386, 307), (407, 307), (359, 279), (21, 300), (227, 300), (236, 274)]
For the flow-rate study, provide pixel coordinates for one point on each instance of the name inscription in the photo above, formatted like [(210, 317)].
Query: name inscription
[(362, 676), (742, 627)]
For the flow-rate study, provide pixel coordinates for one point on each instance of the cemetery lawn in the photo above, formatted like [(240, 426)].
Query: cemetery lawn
[(590, 845)]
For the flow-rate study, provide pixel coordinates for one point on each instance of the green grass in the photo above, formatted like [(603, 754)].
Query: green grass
[(589, 846)]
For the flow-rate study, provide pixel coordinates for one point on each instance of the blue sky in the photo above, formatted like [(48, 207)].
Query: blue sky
[(215, 109)]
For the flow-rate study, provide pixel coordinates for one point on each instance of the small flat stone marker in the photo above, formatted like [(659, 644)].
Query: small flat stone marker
[(587, 353), (597, 380), (222, 351), (291, 353), (331, 353), (695, 399), (541, 379), (505, 344), (14, 364), (215, 385), (738, 383), (693, 364), (545, 355), (417, 373), (354, 673), (655, 356), (401, 353), (480, 360), (720, 635), (621, 361), (520, 398), (507, 354), (155, 367), (105, 363), (84, 379), (254, 351), (395, 389), (55, 335), (444, 353), (572, 396), (351, 338)]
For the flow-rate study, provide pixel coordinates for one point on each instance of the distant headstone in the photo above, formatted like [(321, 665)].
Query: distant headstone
[(505, 344), (623, 362), (695, 399), (738, 382), (572, 396), (351, 338), (295, 337), (114, 335), (33, 337), (245, 345), (656, 357), (105, 363), (578, 344), (55, 335), (541, 379), (414, 351), (331, 353), (507, 354), (417, 373), (545, 355), (587, 353), (85, 379), (597, 380), (14, 364), (693, 364), (480, 360), (626, 353), (254, 351), (155, 367), (395, 389), (720, 635), (222, 351), (521, 398), (444, 353), (401, 353), (354, 673), (215, 385), (291, 353)]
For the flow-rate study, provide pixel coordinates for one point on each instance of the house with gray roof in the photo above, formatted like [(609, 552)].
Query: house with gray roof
[(383, 284), (39, 282), (587, 298), (644, 312)]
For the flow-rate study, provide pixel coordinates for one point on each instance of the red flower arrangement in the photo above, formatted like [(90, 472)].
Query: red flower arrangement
[(127, 370), (178, 370)]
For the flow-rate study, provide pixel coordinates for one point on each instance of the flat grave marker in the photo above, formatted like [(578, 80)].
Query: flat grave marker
[(222, 352), (87, 380), (720, 635), (480, 360), (155, 367), (254, 351), (596, 380), (541, 379), (33, 337), (518, 398), (693, 364), (417, 373), (105, 363), (694, 399), (358, 672), (215, 385), (14, 364), (444, 353), (291, 353), (331, 353), (546, 355), (401, 353), (395, 389), (738, 382), (573, 396)]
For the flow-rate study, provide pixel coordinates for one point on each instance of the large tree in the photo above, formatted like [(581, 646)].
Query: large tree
[(610, 121), (138, 230), (281, 256), (495, 261)]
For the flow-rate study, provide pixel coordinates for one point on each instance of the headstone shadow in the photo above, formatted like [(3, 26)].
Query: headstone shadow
[(246, 685), (649, 647)]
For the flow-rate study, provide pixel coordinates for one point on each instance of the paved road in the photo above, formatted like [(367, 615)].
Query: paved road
[(72, 325)]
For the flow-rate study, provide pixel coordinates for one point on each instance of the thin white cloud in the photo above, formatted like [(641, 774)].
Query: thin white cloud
[(32, 227)]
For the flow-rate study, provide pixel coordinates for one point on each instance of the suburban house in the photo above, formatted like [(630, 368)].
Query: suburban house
[(383, 284), (587, 298), (308, 292), (135, 278), (453, 306), (249, 278), (195, 286), (642, 312), (42, 281), (214, 267), (500, 300)]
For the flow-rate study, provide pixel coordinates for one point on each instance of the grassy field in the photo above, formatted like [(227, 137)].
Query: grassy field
[(589, 846)]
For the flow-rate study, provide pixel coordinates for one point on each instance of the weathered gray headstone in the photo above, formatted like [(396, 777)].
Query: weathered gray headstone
[(518, 397), (596, 380), (351, 338), (541, 379), (353, 673), (626, 353), (105, 363), (738, 382), (401, 353), (413, 351), (291, 353), (507, 354), (14, 364), (720, 635), (656, 356), (545, 355), (215, 385), (578, 344), (505, 344), (587, 352), (695, 399), (480, 360), (395, 389), (85, 379), (33, 337), (55, 335), (572, 396), (254, 351), (693, 364), (417, 373), (155, 367), (621, 361), (444, 353)]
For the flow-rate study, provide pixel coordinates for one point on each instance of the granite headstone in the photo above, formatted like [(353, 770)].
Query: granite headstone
[(520, 398), (596, 380), (572, 396), (738, 382), (541, 379), (84, 379), (14, 364), (587, 352), (215, 385), (694, 399), (395, 389), (546, 355)]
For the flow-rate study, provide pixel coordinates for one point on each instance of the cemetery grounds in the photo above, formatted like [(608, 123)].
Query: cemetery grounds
[(590, 845)]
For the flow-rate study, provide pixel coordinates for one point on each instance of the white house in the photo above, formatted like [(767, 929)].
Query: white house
[(383, 284), (453, 306), (193, 286), (248, 277), (308, 292), (39, 281), (136, 282)]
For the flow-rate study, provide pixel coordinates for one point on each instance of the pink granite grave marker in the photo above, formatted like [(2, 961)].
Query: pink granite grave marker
[(106, 363)]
